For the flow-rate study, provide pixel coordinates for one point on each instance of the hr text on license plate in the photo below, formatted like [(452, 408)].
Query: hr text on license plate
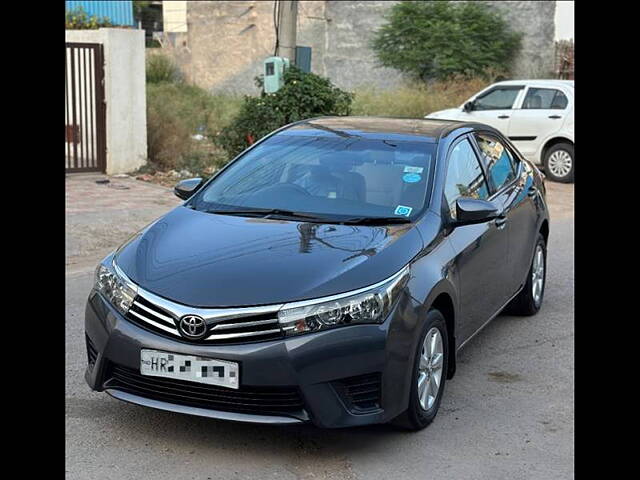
[(190, 368)]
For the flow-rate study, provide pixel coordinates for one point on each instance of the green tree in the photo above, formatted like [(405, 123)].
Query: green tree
[(437, 39), (303, 95)]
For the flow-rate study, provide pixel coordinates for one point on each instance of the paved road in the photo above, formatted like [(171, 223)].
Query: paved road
[(508, 413)]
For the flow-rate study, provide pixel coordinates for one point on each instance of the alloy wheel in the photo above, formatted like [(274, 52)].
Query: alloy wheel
[(430, 368), (537, 275)]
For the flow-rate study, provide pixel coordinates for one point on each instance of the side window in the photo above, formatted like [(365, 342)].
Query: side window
[(464, 176), (544, 99), (501, 166), (497, 99)]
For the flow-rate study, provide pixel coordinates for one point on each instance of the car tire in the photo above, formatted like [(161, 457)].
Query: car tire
[(559, 163), (416, 417), (529, 300)]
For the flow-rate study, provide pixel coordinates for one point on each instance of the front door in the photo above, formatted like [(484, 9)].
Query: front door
[(513, 192), (495, 107), (480, 249)]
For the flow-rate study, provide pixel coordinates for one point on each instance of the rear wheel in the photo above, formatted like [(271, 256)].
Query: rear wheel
[(529, 300), (559, 162), (429, 374)]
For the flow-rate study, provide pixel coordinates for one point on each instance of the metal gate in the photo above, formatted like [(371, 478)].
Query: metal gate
[(84, 108)]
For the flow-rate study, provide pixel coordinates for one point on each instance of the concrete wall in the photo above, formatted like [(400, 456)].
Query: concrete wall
[(226, 41), (125, 94)]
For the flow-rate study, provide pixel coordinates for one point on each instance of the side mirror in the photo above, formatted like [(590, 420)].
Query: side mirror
[(186, 188), (468, 107), (472, 210)]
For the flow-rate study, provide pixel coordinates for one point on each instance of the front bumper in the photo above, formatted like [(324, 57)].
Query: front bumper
[(328, 370)]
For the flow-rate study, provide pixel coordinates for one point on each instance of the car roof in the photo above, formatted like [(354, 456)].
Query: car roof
[(569, 83), (379, 128)]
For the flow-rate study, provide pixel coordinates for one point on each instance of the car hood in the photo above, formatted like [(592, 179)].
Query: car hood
[(448, 114), (207, 260)]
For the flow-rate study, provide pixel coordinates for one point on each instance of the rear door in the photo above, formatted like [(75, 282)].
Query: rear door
[(543, 112), (480, 249), (495, 106)]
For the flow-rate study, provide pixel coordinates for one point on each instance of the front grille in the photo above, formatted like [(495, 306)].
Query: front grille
[(252, 327), (361, 393), (92, 352), (255, 400), (146, 314)]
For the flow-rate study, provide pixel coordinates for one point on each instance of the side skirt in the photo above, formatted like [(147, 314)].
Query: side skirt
[(490, 318)]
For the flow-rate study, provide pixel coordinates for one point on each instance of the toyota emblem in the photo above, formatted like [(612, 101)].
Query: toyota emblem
[(193, 327)]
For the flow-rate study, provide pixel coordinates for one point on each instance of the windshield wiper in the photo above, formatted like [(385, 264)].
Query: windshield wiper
[(375, 220), (264, 212)]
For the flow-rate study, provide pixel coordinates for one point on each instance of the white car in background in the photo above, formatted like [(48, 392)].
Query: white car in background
[(536, 115)]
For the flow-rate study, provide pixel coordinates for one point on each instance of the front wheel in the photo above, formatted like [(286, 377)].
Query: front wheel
[(559, 163), (429, 374)]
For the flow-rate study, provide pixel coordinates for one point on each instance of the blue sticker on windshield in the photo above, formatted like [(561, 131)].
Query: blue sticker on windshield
[(411, 178), (402, 210)]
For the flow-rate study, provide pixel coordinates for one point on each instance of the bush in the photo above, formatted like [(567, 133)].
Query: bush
[(160, 68), (438, 39), (175, 113), (416, 100), (78, 19), (303, 95)]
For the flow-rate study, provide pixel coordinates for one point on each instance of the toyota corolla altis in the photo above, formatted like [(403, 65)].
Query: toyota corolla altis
[(329, 274)]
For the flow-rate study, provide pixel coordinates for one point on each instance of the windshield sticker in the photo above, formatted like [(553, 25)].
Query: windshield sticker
[(411, 178), (410, 169), (402, 210)]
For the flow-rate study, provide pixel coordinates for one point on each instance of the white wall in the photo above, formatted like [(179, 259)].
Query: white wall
[(125, 94), (564, 20)]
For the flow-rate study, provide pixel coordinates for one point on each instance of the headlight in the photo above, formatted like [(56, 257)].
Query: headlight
[(368, 305), (116, 289)]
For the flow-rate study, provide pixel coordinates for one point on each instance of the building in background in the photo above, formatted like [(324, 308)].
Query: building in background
[(564, 20), (564, 44), (220, 45), (119, 13)]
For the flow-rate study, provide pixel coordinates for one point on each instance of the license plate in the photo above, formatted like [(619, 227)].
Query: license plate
[(154, 363)]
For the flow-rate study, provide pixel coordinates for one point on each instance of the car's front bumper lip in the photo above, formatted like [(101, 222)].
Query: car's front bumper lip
[(309, 362), (203, 412)]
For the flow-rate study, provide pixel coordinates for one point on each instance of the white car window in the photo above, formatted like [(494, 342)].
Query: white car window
[(545, 99), (500, 98)]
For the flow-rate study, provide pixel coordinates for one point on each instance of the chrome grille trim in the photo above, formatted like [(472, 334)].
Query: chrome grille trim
[(226, 336), (227, 326), (159, 315), (161, 326), (162, 314), (210, 315)]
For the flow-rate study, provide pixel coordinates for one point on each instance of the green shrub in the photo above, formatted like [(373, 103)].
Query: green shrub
[(303, 95), (78, 19), (437, 39), (175, 113), (417, 99), (160, 68)]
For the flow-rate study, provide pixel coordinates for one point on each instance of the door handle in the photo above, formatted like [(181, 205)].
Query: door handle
[(503, 116), (501, 222), (555, 117)]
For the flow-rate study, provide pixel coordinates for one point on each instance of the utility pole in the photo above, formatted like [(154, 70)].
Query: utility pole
[(287, 23)]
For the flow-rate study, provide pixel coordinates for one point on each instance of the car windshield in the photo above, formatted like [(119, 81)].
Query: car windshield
[(330, 177)]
